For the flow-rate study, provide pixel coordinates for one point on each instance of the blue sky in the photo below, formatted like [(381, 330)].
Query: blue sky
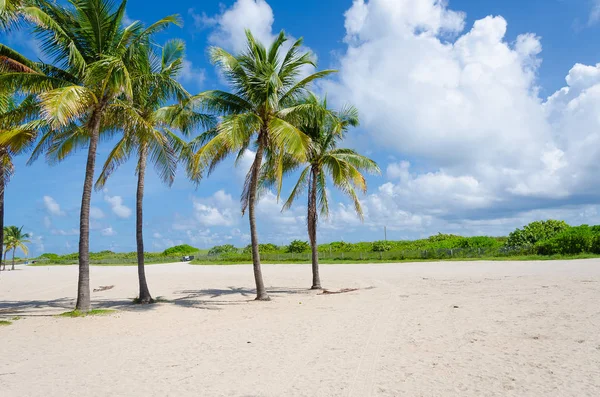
[(483, 116)]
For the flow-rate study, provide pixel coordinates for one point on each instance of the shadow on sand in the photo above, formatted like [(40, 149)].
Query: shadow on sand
[(207, 299)]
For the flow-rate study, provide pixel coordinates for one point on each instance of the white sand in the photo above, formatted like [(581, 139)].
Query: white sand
[(520, 329)]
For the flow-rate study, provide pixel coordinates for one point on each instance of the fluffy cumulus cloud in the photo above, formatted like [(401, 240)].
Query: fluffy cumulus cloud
[(464, 101), (228, 29), (230, 25), (117, 206), (218, 210), (52, 207)]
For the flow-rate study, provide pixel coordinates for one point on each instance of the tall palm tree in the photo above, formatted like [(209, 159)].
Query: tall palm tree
[(148, 125), (259, 112), (14, 116), (15, 238), (94, 56), (344, 166)]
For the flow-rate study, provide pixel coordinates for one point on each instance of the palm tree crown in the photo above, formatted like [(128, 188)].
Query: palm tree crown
[(326, 129), (15, 238)]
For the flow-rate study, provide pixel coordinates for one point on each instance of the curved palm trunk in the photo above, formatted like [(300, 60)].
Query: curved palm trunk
[(312, 228), (144, 296), (261, 293), (2, 211), (83, 284), (4, 262), (13, 259)]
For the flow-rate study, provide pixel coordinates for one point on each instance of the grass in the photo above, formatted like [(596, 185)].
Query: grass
[(341, 261), (5, 322), (350, 261), (93, 312)]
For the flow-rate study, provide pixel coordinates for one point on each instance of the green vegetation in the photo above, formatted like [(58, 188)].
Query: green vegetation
[(536, 232), (5, 322), (179, 250), (93, 312), (298, 246), (222, 250), (580, 241)]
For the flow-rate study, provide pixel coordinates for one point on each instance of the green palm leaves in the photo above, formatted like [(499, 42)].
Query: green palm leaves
[(15, 238), (86, 89), (258, 113), (106, 79), (344, 167)]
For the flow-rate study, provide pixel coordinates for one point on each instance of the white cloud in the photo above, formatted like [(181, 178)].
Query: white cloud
[(61, 232), (52, 206), (255, 15), (109, 231), (117, 206), (47, 222), (96, 213), (465, 105), (218, 210), (191, 75), (594, 13), (127, 20)]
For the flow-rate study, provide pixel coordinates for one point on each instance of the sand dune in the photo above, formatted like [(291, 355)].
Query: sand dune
[(439, 329)]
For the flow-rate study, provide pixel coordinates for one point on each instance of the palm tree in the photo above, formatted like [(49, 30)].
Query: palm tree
[(94, 57), (13, 119), (9, 13), (147, 125), (259, 111), (15, 238), (344, 166)]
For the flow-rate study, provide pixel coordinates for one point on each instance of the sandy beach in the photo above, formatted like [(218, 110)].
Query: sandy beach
[(422, 329)]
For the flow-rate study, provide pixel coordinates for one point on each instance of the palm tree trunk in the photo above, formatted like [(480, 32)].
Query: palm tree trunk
[(2, 208), (4, 262), (312, 228), (144, 296), (261, 293), (13, 259), (83, 284)]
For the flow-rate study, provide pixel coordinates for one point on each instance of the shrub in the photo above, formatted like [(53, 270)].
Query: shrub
[(573, 241), (50, 256), (222, 250), (262, 248), (298, 246), (595, 245), (536, 232), (180, 250), (381, 246), (479, 242), (443, 237), (340, 246)]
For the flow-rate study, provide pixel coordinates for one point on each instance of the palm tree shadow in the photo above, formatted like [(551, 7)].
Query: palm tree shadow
[(206, 299), (217, 297)]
